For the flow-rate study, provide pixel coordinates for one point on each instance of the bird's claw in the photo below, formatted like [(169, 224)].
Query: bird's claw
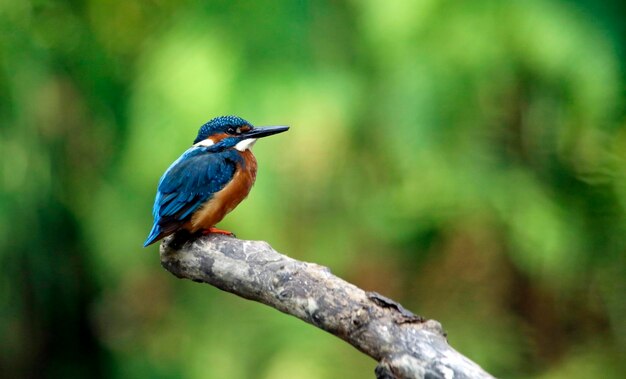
[(208, 231)]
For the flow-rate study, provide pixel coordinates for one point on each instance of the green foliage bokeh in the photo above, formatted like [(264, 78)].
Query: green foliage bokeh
[(467, 159)]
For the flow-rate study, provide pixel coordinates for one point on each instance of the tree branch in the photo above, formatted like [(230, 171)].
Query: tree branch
[(405, 345)]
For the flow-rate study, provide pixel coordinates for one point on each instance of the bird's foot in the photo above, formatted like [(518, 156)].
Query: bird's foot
[(217, 231)]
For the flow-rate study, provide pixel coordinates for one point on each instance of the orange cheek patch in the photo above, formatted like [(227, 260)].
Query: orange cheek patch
[(218, 137)]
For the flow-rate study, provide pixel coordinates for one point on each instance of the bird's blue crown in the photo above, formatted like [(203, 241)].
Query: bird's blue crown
[(219, 125)]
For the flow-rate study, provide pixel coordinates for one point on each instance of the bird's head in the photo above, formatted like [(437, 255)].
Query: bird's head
[(225, 132)]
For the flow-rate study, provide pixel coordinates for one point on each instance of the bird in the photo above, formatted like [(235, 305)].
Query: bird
[(209, 179)]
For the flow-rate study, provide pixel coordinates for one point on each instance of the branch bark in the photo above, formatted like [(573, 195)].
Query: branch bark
[(405, 345)]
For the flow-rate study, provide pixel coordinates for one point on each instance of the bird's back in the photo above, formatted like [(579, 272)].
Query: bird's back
[(226, 199), (199, 188)]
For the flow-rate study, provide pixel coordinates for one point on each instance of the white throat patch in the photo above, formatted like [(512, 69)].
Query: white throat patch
[(245, 144)]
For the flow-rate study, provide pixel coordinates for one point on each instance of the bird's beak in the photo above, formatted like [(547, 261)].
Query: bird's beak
[(264, 131)]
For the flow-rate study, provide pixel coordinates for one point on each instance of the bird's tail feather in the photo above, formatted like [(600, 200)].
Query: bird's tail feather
[(155, 234)]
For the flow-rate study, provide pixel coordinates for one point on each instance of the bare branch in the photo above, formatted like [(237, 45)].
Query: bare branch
[(405, 345)]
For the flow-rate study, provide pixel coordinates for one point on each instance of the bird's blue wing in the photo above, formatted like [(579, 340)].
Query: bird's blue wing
[(186, 185)]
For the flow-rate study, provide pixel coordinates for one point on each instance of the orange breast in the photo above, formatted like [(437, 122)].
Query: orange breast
[(227, 198)]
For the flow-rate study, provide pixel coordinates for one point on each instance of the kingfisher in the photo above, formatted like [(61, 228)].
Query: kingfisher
[(209, 179)]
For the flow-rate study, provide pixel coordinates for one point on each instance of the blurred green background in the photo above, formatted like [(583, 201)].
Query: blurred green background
[(466, 158)]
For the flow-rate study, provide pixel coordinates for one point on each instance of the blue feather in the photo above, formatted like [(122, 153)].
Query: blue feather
[(187, 184), (154, 234)]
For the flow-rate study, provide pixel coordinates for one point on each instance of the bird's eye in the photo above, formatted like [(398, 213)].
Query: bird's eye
[(232, 130)]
